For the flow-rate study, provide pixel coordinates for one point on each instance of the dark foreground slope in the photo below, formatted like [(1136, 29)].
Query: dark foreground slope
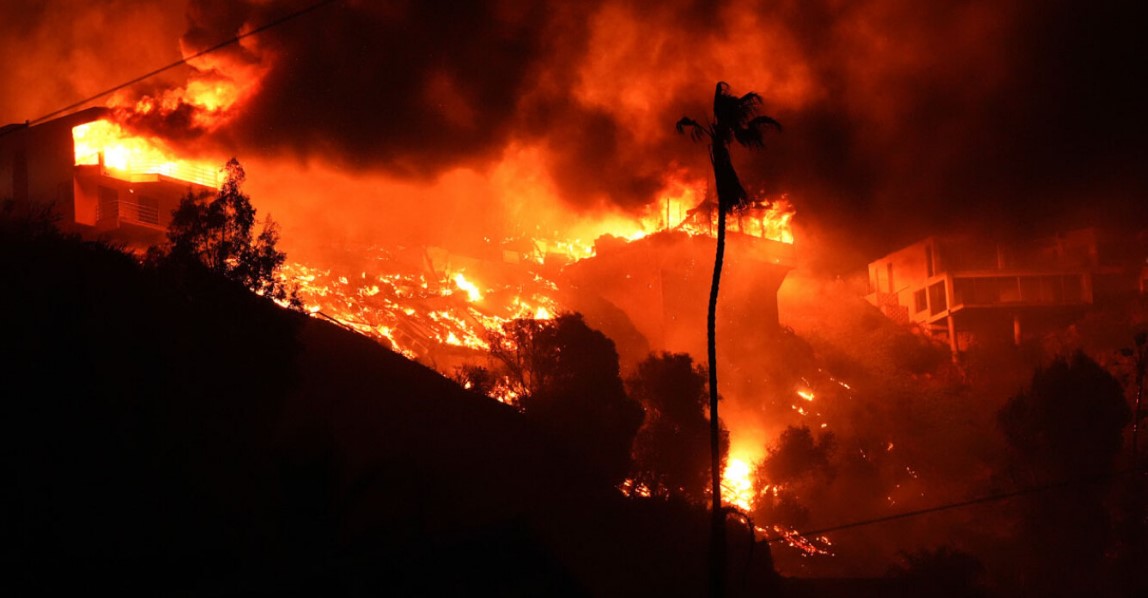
[(170, 434)]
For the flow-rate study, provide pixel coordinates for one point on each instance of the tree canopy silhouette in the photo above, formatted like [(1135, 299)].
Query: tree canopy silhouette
[(217, 233), (670, 450), (735, 120), (797, 461), (566, 378), (798, 455), (1066, 426)]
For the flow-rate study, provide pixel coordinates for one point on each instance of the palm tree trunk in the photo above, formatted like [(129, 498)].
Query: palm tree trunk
[(717, 533)]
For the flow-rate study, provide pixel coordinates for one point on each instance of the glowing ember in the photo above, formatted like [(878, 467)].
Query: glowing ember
[(818, 546), (630, 488)]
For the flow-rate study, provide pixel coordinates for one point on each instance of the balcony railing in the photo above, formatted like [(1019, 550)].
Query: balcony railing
[(142, 211)]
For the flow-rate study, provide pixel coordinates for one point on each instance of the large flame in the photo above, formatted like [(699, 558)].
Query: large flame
[(738, 486), (107, 144), (203, 105)]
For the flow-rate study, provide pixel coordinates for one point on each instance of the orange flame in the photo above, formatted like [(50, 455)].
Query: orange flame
[(738, 484), (107, 144), (472, 292)]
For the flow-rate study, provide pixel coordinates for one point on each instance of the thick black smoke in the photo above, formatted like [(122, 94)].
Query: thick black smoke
[(913, 116), (902, 118), (1016, 118)]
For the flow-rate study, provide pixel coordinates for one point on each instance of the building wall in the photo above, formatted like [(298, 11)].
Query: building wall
[(661, 283), (955, 285), (37, 163)]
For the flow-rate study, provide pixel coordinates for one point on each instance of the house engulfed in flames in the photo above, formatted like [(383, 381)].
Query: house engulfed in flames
[(661, 283), (98, 179), (965, 288)]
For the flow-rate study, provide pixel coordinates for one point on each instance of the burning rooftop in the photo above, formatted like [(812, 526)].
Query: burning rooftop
[(98, 177)]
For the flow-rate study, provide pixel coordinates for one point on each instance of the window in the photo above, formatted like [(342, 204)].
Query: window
[(937, 301), (920, 301)]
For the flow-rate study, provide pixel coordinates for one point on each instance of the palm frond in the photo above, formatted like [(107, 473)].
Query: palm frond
[(748, 137), (761, 121), (752, 134), (732, 113), (697, 131), (747, 106)]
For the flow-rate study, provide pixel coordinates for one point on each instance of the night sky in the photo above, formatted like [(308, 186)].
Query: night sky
[(902, 118)]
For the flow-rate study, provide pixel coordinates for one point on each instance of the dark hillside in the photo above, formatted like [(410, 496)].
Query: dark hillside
[(173, 434)]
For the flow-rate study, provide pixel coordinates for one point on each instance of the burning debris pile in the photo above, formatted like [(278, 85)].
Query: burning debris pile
[(434, 305), (416, 305)]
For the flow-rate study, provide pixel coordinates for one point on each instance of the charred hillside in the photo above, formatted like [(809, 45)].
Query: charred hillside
[(174, 433)]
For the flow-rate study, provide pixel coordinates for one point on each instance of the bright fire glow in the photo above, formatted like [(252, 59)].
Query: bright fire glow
[(472, 292), (737, 484), (678, 207), (122, 155), (417, 315)]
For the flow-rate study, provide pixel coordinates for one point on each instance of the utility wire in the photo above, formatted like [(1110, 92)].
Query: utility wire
[(976, 501), (219, 46)]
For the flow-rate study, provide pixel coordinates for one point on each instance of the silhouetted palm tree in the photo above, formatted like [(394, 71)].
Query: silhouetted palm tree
[(735, 120)]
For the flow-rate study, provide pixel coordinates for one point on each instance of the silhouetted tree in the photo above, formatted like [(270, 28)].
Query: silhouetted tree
[(797, 460), (1068, 423), (1067, 427), (734, 120), (1132, 498), (566, 378), (216, 231), (780, 507), (670, 451), (797, 455), (477, 379)]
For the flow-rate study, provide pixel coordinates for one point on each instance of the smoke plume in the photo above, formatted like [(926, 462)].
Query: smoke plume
[(901, 118)]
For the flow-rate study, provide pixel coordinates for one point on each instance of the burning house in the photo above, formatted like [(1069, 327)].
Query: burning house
[(96, 178), (962, 288), (661, 283)]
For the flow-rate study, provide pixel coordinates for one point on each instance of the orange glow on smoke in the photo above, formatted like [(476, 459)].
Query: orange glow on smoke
[(213, 98), (207, 101)]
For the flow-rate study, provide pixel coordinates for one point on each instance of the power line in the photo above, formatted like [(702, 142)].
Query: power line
[(968, 503), (220, 45)]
